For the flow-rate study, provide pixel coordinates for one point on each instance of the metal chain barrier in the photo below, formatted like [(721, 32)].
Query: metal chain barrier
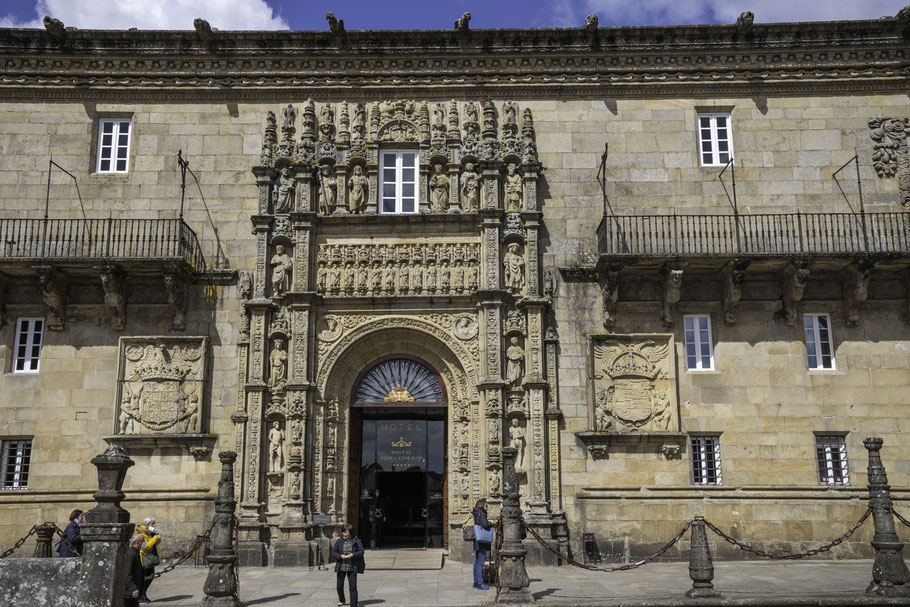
[(193, 548), (898, 516), (20, 542), (625, 567), (800, 555)]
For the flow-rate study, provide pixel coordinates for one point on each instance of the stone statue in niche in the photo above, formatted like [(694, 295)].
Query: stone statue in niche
[(439, 189), (602, 421), (514, 265), (515, 357), (276, 448), (189, 415), (328, 190), (513, 189), (284, 195), (517, 439), (358, 186), (278, 365), (470, 188), (360, 122), (281, 271), (288, 117)]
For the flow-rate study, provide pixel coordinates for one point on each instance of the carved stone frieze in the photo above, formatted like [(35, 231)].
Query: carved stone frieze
[(160, 387), (633, 383), (890, 154)]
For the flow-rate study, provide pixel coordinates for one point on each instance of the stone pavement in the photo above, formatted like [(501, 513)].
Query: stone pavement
[(816, 582)]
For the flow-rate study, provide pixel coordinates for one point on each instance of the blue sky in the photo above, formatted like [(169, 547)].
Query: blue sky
[(425, 14)]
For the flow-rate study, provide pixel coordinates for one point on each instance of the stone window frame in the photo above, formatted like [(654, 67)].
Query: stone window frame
[(713, 140), (702, 468), (814, 343), (14, 474), (28, 344), (115, 120), (825, 444), (699, 357), (399, 183)]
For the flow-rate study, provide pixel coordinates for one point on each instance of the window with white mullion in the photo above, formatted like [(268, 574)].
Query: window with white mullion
[(819, 341), (399, 181), (15, 465), (113, 145), (27, 350), (831, 453), (714, 139), (705, 460), (699, 348)]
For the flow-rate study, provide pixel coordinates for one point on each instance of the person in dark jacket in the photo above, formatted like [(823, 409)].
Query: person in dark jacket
[(73, 535), (348, 555), (132, 577), (480, 548)]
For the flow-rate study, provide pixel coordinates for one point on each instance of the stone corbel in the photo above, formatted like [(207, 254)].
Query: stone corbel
[(176, 298), (792, 287), (855, 285), (113, 281), (599, 451), (734, 275), (672, 276), (53, 290), (609, 290)]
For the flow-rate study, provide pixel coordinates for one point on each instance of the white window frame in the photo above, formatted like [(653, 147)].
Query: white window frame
[(114, 151), (705, 459), (16, 464), (831, 457), (697, 336), (815, 343), (709, 139), (29, 340), (399, 182)]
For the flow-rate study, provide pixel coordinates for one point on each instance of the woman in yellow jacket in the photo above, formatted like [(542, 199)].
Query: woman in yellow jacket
[(148, 555)]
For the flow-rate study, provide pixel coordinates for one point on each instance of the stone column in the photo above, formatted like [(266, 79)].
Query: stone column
[(890, 576), (514, 576), (43, 536), (220, 586), (701, 567)]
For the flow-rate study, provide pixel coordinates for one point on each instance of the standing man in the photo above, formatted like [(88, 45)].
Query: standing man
[(132, 578)]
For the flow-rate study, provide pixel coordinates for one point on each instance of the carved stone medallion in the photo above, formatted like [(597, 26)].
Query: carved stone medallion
[(465, 327)]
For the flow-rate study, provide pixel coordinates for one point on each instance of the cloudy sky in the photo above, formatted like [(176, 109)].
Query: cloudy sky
[(424, 14)]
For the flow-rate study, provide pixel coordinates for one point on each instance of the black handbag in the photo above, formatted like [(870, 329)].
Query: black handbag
[(467, 533)]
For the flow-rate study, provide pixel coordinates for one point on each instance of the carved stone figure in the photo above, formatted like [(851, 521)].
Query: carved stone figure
[(284, 196), (245, 285), (128, 421), (672, 289), (278, 365), (470, 188), (276, 448), (792, 288), (515, 356), (281, 271), (190, 414), (328, 190), (518, 440), (359, 126), (439, 189), (358, 187), (288, 117), (513, 189), (336, 26), (461, 24), (602, 421), (513, 265)]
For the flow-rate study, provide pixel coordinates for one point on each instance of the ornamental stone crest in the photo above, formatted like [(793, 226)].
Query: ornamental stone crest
[(890, 156), (161, 385), (634, 383)]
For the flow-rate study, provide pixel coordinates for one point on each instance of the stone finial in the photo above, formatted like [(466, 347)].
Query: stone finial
[(54, 27), (592, 22), (745, 22), (112, 466), (461, 24), (701, 567), (336, 26), (890, 576)]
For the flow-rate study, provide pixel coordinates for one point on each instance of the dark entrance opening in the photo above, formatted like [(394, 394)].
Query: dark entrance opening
[(397, 493)]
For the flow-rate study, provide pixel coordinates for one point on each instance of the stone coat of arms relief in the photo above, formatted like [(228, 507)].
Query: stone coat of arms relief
[(161, 385)]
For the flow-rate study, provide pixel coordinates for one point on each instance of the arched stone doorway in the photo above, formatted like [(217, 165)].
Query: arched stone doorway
[(397, 456)]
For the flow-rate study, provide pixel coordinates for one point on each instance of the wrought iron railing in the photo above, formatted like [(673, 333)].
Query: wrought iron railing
[(754, 235), (116, 240)]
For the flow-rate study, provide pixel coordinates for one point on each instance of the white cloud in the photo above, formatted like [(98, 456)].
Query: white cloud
[(155, 14), (570, 13)]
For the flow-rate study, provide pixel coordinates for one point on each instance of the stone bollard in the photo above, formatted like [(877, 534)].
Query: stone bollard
[(701, 567), (514, 581), (890, 576), (220, 586), (44, 534)]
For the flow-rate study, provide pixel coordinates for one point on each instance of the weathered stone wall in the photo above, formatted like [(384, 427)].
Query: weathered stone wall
[(761, 397)]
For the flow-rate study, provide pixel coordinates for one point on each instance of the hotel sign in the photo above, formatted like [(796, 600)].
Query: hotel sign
[(401, 445)]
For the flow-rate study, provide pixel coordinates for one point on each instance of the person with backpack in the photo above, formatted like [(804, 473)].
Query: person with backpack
[(483, 539)]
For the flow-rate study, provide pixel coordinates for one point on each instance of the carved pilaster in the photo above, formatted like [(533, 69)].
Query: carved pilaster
[(532, 255), (176, 298), (265, 177), (261, 227), (553, 415), (490, 190), (490, 345), (734, 273), (534, 351), (113, 282), (53, 285), (490, 253), (537, 470), (300, 346), (305, 180), (855, 285), (303, 231), (671, 289), (793, 284)]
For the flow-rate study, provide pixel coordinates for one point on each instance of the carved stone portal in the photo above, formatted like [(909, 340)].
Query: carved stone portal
[(634, 383), (161, 385)]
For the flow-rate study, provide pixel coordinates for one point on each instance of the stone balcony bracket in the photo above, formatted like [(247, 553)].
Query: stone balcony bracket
[(200, 446)]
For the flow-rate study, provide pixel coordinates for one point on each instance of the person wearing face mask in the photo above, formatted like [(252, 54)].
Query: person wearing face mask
[(73, 535), (348, 555), (483, 539), (148, 555)]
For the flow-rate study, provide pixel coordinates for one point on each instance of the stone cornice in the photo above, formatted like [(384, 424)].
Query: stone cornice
[(856, 56)]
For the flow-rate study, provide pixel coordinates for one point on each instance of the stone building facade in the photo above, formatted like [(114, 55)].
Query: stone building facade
[(367, 261)]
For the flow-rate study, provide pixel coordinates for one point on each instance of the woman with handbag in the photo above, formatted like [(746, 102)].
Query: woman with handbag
[(148, 556), (349, 561), (483, 538)]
